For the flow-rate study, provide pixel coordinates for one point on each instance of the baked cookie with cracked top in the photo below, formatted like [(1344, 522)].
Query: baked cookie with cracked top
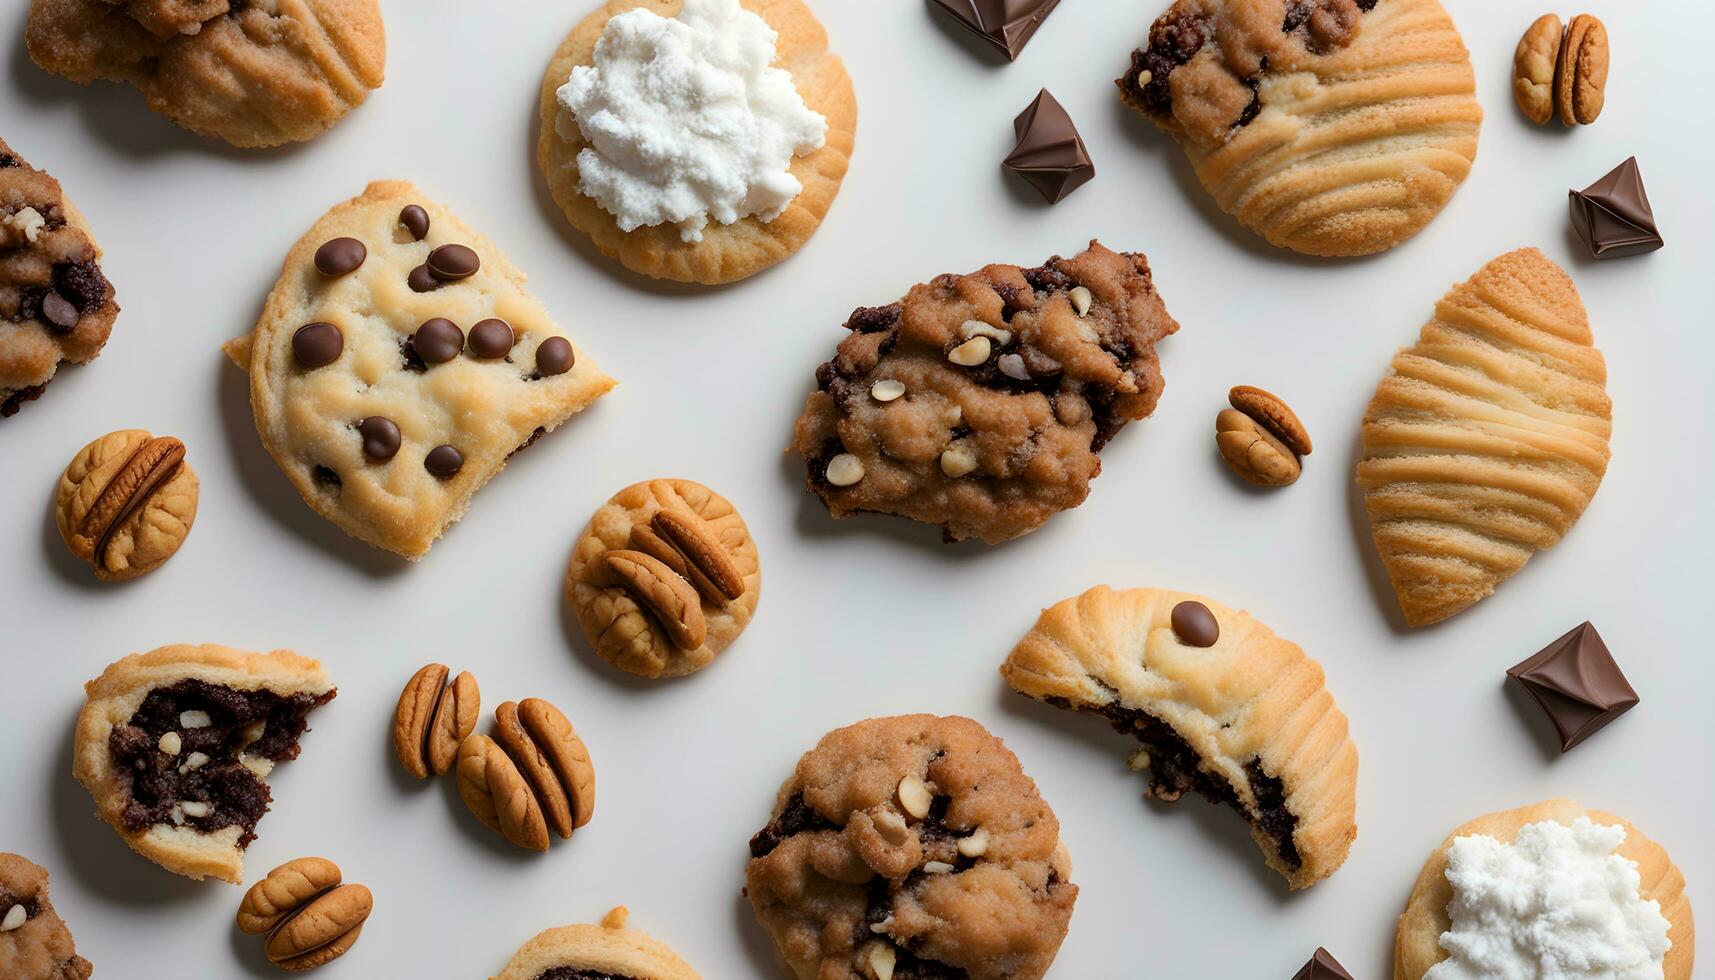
[(664, 577), (34, 941), (56, 305), (175, 746), (1329, 127), (251, 72), (608, 951), (981, 402), (399, 363), (1221, 705), (912, 847)]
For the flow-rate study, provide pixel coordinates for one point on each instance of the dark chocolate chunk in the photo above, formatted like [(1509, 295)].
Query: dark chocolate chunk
[(450, 263), (1322, 966), (317, 344), (381, 438), (1006, 24), (1613, 215), (415, 220), (554, 356), (444, 461), (421, 280), (438, 340), (491, 338), (1577, 682), (1050, 153), (1194, 624), (57, 310), (340, 256)]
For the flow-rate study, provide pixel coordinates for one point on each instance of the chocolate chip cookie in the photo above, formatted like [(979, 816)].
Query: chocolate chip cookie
[(55, 304), (912, 847), (980, 402), (34, 941), (608, 951)]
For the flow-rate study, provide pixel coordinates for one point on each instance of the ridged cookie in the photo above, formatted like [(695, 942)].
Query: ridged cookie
[(1342, 134), (607, 950), (726, 252), (1417, 945), (1222, 706), (251, 73), (1489, 437)]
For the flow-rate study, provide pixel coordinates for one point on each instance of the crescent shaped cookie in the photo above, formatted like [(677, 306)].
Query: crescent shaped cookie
[(727, 252), (607, 950), (379, 386), (1488, 438), (175, 746), (1417, 945), (1329, 127), (1222, 706)]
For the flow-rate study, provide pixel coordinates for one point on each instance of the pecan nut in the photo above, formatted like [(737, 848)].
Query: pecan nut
[(433, 718), (455, 719), (1534, 59), (496, 792), (1273, 414), (322, 930), (1254, 452), (283, 892), (126, 502), (1581, 75), (705, 561), (653, 586), (547, 750)]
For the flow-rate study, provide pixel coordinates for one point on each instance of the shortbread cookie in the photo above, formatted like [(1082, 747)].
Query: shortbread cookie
[(1488, 438), (399, 363), (55, 304), (725, 251), (1331, 127), (1222, 706), (1570, 946), (609, 951), (176, 744), (34, 941), (250, 73), (980, 402), (664, 577), (912, 847)]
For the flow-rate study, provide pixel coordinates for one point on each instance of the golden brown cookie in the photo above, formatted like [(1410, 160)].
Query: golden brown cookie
[(585, 952), (1488, 438), (726, 252), (1221, 705), (126, 502), (34, 941)]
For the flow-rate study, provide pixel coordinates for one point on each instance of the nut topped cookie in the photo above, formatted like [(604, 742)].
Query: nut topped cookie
[(608, 951), (126, 502), (55, 304), (664, 577), (398, 365), (912, 847), (34, 941), (980, 402)]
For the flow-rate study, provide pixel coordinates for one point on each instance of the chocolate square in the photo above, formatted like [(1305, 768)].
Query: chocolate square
[(1577, 683), (1613, 216), (1007, 25), (1322, 966), (1050, 153)]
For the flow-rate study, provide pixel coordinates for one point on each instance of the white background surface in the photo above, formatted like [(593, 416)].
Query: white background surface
[(872, 616)]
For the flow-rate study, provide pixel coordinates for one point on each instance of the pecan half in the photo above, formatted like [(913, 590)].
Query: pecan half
[(455, 719), (496, 792), (705, 554), (657, 588), (551, 756), (411, 720), (126, 502), (283, 892), (1273, 414), (1581, 76), (321, 931), (1253, 452), (1534, 59)]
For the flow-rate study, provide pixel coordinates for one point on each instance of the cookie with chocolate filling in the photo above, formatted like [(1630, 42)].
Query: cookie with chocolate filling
[(34, 941), (399, 363), (250, 72), (608, 951), (1330, 127), (1221, 705), (55, 304), (912, 847), (176, 744), (980, 402)]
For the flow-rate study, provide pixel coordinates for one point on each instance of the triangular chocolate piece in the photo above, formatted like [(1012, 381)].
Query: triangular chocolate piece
[(1322, 966), (1578, 684), (1613, 215), (1050, 153), (1005, 24)]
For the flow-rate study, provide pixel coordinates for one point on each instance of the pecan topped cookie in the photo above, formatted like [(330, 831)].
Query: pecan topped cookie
[(980, 402), (34, 941), (912, 847)]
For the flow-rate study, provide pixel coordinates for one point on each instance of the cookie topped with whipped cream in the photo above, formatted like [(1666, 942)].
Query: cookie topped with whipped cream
[(696, 140)]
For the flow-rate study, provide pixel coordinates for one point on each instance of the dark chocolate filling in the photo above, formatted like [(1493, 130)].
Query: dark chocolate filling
[(32, 905), (16, 399), (567, 973), (796, 818), (158, 784)]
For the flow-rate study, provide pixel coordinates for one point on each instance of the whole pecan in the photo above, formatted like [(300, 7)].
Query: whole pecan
[(496, 792), (309, 917), (433, 718), (1261, 438), (541, 741), (126, 502)]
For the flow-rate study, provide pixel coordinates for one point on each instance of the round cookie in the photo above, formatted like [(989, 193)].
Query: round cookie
[(912, 846), (727, 252), (585, 951), (175, 746), (34, 941), (695, 589), (126, 502), (1417, 944)]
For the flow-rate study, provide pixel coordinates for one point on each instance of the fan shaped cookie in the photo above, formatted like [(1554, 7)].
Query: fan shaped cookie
[(1331, 127), (1489, 437), (585, 952), (253, 74), (1427, 919), (399, 363), (1222, 706), (175, 745)]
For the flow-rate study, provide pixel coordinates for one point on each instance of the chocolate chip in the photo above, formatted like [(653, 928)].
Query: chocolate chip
[(1195, 625), (555, 356), (443, 461), (325, 477), (415, 220), (317, 344), (438, 340), (491, 338), (340, 256), (59, 311), (421, 280), (450, 263), (380, 438)]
